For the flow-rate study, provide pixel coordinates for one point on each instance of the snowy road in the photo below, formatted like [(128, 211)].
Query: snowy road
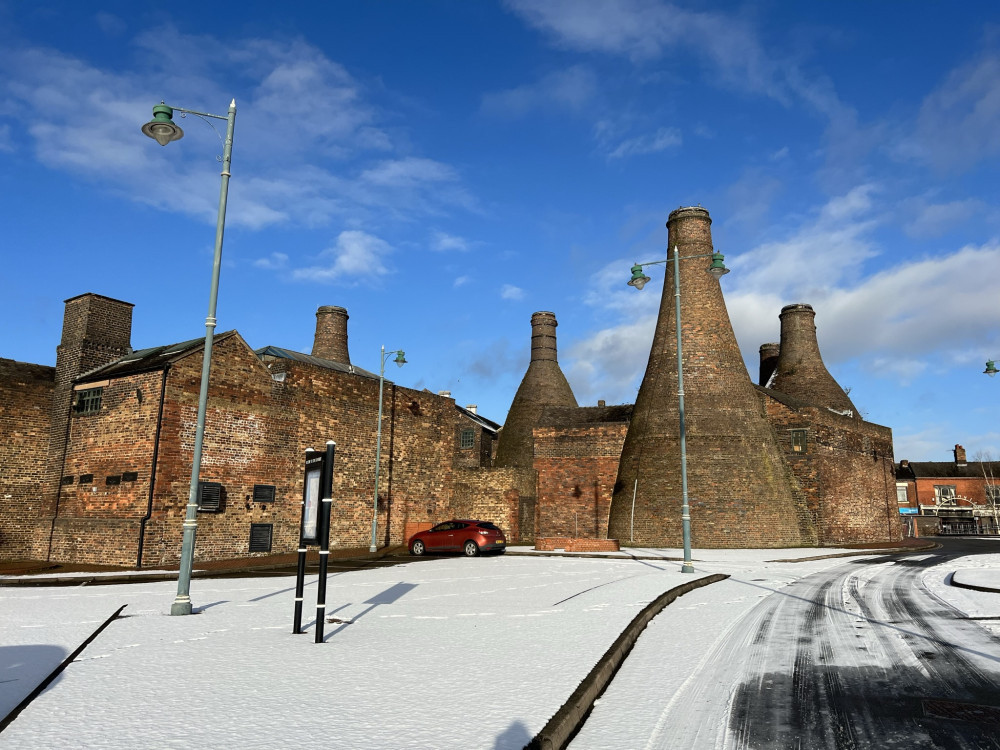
[(862, 655)]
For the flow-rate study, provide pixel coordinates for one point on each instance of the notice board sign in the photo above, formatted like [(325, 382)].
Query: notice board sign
[(311, 499)]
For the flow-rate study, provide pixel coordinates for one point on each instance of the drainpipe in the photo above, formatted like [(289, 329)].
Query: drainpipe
[(152, 469)]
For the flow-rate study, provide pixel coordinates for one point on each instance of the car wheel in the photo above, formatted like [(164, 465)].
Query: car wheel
[(417, 548), (471, 549)]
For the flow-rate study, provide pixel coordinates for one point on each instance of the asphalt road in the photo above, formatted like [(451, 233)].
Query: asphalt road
[(860, 655)]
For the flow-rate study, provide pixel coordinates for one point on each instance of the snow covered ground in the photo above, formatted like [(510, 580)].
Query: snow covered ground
[(457, 652)]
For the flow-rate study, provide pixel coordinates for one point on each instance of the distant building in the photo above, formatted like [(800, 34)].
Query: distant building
[(956, 497)]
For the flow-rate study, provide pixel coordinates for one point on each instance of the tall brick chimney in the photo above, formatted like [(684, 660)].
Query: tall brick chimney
[(768, 361), (960, 456), (543, 385), (330, 341), (740, 490), (800, 371), (96, 330)]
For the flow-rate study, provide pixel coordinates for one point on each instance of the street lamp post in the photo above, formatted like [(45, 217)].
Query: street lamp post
[(163, 129), (639, 280), (400, 360)]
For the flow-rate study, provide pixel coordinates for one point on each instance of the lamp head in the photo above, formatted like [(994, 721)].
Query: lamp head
[(639, 279), (718, 268), (400, 359), (162, 128), (991, 368)]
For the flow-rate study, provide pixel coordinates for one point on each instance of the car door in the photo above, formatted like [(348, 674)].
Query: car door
[(440, 537)]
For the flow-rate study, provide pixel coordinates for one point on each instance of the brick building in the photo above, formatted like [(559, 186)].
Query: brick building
[(958, 496), (787, 461), (97, 451)]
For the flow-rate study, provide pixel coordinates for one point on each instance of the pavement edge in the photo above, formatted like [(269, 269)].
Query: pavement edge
[(566, 722)]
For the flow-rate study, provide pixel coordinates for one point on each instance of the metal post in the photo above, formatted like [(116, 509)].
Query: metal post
[(324, 539), (182, 602), (378, 451), (687, 567)]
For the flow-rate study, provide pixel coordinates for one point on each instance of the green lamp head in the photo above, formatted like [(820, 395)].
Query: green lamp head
[(162, 128), (639, 279)]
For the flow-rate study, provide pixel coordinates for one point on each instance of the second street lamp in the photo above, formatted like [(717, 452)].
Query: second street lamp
[(163, 130), (639, 280), (400, 360)]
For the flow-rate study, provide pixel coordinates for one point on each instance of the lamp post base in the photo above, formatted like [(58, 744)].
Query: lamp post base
[(373, 548), (181, 606), (687, 568)]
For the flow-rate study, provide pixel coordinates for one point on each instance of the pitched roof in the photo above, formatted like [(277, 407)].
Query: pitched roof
[(946, 470), (149, 360), (486, 424), (328, 364)]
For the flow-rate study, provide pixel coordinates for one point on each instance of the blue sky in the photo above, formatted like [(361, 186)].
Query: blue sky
[(445, 169)]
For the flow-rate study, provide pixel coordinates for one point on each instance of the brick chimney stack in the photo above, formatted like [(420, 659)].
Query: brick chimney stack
[(96, 330), (330, 341), (960, 456), (740, 490), (768, 362), (543, 385), (800, 371)]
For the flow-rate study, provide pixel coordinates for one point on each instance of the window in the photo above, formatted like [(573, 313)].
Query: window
[(86, 478), (113, 481), (798, 438), (88, 401), (130, 476), (468, 439), (209, 497), (260, 537), (944, 494), (901, 494), (993, 494), (263, 493)]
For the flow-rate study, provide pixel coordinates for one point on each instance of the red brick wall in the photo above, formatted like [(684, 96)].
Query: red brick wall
[(846, 472), (25, 403), (494, 495), (577, 467)]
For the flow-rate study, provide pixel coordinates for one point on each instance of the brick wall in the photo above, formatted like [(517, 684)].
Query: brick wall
[(25, 404), (577, 467), (495, 495), (846, 471)]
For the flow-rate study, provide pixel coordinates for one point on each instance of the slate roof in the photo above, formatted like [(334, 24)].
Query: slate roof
[(487, 424), (329, 364), (946, 470), (148, 360)]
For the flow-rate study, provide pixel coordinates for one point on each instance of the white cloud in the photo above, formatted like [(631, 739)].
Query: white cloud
[(273, 262), (511, 292), (568, 89), (651, 143), (461, 281), (442, 242), (308, 146), (356, 254), (959, 122), (936, 219)]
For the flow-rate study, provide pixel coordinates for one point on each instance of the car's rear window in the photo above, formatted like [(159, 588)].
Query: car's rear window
[(487, 525)]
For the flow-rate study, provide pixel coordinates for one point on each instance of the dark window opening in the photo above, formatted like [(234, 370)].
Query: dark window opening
[(130, 476), (113, 480), (86, 478), (260, 537), (88, 401), (263, 493), (468, 439), (68, 480), (798, 438)]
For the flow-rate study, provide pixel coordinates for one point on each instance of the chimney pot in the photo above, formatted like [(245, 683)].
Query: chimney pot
[(960, 456), (600, 402), (472, 408)]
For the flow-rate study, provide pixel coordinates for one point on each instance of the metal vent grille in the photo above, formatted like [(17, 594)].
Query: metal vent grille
[(260, 537), (263, 493), (209, 497)]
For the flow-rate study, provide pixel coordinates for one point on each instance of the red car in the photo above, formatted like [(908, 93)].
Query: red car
[(468, 537)]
